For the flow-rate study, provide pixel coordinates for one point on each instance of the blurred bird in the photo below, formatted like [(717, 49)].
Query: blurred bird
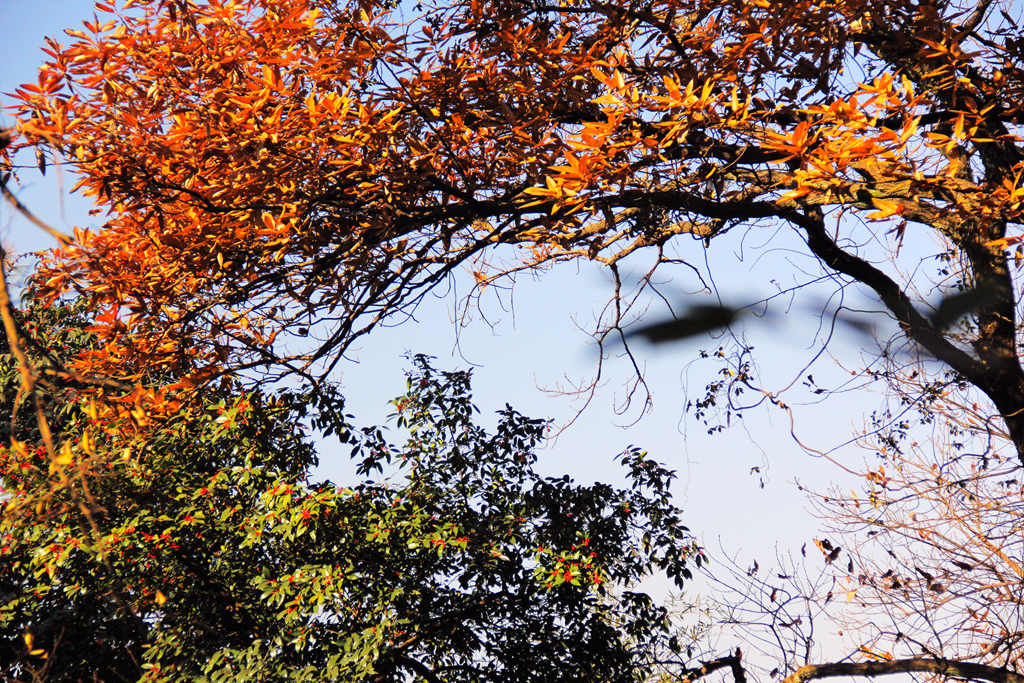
[(946, 311), (955, 306), (695, 321), (704, 318)]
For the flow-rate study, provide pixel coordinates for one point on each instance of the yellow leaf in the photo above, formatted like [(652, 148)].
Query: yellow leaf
[(160, 598), (705, 92), (885, 208), (910, 129), (672, 86), (795, 193), (1004, 242), (65, 456)]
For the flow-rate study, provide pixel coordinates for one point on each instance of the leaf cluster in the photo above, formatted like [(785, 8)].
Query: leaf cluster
[(205, 551)]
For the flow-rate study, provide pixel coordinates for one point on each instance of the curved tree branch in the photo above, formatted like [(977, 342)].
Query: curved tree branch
[(954, 669), (732, 661), (1005, 392)]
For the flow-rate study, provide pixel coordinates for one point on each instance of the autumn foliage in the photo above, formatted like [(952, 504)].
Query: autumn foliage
[(282, 167), (275, 178)]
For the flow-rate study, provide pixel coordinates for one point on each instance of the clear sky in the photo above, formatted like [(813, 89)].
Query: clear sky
[(749, 510)]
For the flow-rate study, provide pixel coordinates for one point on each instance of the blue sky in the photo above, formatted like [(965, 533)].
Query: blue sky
[(539, 345)]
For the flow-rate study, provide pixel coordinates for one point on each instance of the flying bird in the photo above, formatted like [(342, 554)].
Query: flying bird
[(704, 318), (955, 306), (945, 312), (695, 321)]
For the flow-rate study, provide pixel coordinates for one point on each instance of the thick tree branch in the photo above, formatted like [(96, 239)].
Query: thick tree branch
[(892, 295), (418, 667), (1006, 395), (953, 669), (733, 661)]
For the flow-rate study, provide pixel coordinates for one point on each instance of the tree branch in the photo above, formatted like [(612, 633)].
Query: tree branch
[(56, 234), (892, 295), (732, 661), (953, 669), (419, 667), (1003, 389)]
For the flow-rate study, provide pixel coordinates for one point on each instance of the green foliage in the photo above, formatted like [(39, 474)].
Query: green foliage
[(200, 549)]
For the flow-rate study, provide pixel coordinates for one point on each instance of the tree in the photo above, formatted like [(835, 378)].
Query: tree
[(918, 571), (273, 167), (935, 539), (278, 168), (205, 550)]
